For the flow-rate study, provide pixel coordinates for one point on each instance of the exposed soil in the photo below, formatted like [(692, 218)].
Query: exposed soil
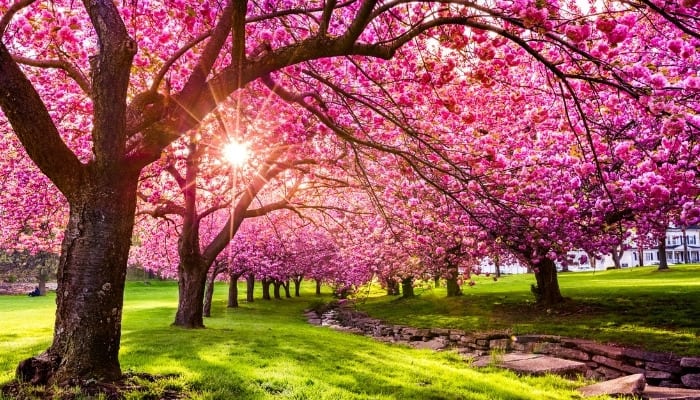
[(130, 383)]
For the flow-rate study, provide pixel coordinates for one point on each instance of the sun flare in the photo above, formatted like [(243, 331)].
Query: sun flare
[(236, 153)]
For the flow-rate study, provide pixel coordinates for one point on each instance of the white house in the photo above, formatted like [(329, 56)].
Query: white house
[(682, 246)]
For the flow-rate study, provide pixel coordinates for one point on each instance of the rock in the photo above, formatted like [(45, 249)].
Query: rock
[(615, 364), (632, 385), (666, 393), (670, 368), (658, 375), (609, 373), (690, 362), (536, 364), (315, 321), (650, 356), (601, 349), (570, 354), (434, 344), (691, 381)]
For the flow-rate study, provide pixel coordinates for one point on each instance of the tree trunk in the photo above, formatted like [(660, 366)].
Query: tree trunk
[(407, 287), (453, 288), (641, 256), (392, 287), (547, 290), (436, 280), (616, 254), (233, 290), (276, 291), (209, 294), (663, 261), (285, 285), (192, 276), (89, 298), (42, 277), (497, 266), (318, 287), (297, 285), (250, 288), (266, 288)]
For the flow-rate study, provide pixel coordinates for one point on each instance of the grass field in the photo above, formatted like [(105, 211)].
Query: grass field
[(637, 306), (265, 350)]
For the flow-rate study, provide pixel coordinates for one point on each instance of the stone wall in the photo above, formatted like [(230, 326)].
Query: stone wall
[(602, 361)]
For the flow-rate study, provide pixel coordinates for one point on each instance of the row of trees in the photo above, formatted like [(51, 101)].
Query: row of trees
[(411, 137)]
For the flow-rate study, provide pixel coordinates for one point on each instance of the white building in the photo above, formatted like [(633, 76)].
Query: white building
[(682, 246)]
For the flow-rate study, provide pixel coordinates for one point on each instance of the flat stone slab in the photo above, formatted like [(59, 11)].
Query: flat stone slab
[(630, 385), (664, 393), (533, 364)]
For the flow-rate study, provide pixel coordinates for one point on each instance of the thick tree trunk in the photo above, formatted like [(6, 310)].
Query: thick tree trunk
[(297, 285), (497, 266), (266, 288), (192, 276), (287, 293), (277, 284), (318, 287), (453, 288), (436, 279), (547, 290), (250, 288), (233, 290), (89, 298), (209, 294), (684, 240), (407, 287), (663, 260)]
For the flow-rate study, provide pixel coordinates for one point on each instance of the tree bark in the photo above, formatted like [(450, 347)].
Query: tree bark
[(497, 265), (89, 298), (663, 260), (297, 285), (392, 287), (192, 275), (250, 288), (285, 285), (233, 290), (318, 287), (453, 288), (616, 255), (407, 287), (277, 284), (547, 290), (266, 288), (209, 294)]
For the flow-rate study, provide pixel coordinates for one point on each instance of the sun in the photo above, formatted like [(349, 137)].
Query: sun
[(236, 153)]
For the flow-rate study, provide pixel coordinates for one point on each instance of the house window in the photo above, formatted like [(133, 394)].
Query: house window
[(690, 239), (649, 256), (634, 256)]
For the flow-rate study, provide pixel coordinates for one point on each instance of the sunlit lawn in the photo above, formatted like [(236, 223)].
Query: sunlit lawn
[(636, 306), (266, 350)]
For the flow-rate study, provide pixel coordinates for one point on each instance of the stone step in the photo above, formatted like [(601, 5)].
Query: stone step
[(635, 385), (533, 364), (664, 393)]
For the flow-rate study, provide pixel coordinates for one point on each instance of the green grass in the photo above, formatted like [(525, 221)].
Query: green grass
[(638, 307), (266, 350)]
